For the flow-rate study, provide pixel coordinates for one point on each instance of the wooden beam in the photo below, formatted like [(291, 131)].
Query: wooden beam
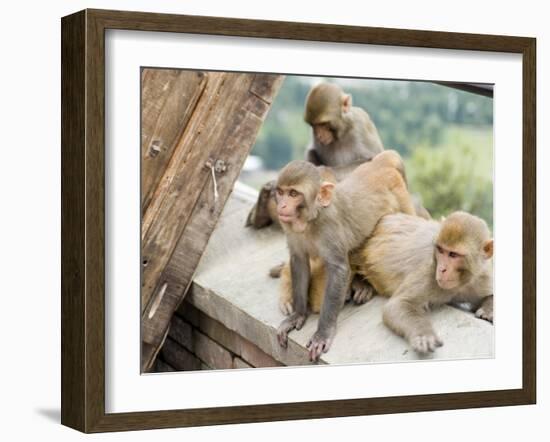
[(168, 99), (219, 134)]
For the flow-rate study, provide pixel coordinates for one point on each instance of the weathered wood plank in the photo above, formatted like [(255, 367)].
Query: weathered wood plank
[(266, 86), (239, 363), (154, 84), (188, 313), (177, 191), (256, 357), (211, 353), (215, 330), (219, 333), (149, 352), (168, 98), (182, 332), (234, 120), (222, 118), (163, 367), (178, 357)]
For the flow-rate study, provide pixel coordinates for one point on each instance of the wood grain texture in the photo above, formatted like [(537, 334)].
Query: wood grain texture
[(194, 24), (187, 172), (222, 129), (182, 332), (168, 99), (179, 357), (163, 367), (83, 218), (83, 287), (73, 125), (529, 221), (95, 223)]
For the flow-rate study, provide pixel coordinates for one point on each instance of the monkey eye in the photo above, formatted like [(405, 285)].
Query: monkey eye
[(280, 191), (293, 193), (439, 249), (453, 255)]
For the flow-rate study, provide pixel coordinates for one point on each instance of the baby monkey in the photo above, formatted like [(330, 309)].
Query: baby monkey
[(420, 263), (323, 220)]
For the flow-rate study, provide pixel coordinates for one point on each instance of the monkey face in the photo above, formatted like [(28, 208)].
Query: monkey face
[(289, 201), (297, 187), (326, 107), (323, 133), (290, 205), (450, 267), (464, 244)]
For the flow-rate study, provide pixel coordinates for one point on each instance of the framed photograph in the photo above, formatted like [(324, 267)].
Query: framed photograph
[(191, 294)]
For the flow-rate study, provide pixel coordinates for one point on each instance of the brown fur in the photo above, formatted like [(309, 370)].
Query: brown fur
[(316, 291)]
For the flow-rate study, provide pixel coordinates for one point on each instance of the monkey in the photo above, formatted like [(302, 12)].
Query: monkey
[(423, 264), (344, 136), (326, 220), (418, 264), (359, 291)]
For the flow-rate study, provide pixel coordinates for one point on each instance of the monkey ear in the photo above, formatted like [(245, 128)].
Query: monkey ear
[(488, 249), (325, 193), (346, 103)]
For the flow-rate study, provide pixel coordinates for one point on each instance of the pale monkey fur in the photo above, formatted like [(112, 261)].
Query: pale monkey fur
[(399, 262)]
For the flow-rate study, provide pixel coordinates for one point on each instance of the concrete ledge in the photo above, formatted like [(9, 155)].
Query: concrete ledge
[(232, 286)]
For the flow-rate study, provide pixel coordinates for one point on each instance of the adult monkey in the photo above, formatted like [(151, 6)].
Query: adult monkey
[(344, 136), (326, 221), (420, 263)]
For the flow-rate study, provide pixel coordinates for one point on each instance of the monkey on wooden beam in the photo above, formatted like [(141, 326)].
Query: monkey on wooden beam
[(419, 264), (326, 221)]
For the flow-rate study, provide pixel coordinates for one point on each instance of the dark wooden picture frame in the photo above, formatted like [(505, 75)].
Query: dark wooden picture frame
[(83, 220)]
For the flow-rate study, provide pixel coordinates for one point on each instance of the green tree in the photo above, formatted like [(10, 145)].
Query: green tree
[(447, 180)]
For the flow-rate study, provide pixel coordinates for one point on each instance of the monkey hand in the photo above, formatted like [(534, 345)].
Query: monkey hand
[(259, 215), (425, 343), (294, 321), (485, 310), (361, 290), (485, 313), (319, 343)]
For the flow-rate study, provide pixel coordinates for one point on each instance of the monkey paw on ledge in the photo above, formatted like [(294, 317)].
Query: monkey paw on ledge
[(233, 292)]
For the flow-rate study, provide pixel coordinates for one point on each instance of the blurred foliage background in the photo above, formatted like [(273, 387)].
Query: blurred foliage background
[(445, 136)]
